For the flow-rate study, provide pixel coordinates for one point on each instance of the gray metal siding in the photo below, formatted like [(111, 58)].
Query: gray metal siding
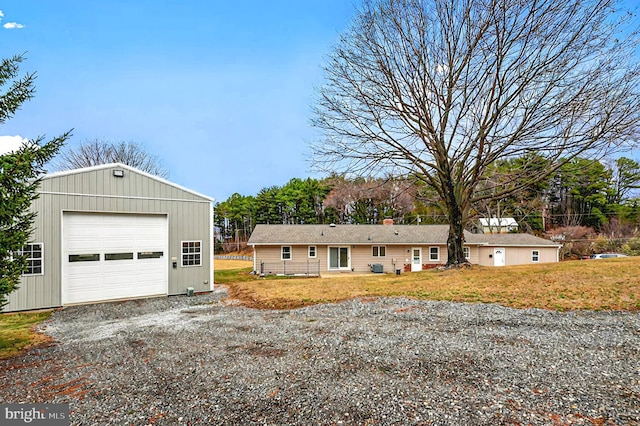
[(100, 192), (102, 182)]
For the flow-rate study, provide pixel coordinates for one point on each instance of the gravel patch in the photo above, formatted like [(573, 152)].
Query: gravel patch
[(200, 360)]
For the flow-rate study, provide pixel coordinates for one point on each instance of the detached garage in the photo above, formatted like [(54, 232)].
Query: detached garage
[(113, 232)]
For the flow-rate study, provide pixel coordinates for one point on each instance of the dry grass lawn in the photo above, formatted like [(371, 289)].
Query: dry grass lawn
[(17, 332), (230, 264), (611, 284)]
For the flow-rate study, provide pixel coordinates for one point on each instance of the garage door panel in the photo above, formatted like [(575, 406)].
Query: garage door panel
[(83, 242), (121, 272)]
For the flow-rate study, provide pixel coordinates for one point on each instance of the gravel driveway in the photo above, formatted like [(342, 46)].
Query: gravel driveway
[(200, 360)]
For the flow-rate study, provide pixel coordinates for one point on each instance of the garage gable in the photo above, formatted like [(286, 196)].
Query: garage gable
[(116, 180)]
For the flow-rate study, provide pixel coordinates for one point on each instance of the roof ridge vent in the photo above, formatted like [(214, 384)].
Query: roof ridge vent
[(332, 225)]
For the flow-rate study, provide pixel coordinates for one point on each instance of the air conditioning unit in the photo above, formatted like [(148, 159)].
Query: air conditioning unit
[(377, 268)]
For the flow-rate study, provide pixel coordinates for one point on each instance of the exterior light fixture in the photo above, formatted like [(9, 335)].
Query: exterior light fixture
[(118, 173)]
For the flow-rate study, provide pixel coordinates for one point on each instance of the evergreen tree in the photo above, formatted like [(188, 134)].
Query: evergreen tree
[(20, 174)]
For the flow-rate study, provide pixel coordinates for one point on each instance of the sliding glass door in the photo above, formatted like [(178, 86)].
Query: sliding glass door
[(339, 258)]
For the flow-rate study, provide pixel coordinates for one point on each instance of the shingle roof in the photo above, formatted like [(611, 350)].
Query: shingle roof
[(378, 234)]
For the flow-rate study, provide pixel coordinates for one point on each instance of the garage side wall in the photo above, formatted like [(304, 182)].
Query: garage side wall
[(98, 191), (518, 255)]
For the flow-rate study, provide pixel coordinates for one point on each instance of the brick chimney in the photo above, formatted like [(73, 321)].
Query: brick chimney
[(387, 222)]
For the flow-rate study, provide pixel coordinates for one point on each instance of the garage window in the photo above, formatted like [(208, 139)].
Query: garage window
[(312, 252), (191, 253), (89, 257), (118, 256), (34, 254), (150, 254)]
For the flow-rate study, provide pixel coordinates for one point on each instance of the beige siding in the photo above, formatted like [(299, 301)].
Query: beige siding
[(518, 255), (271, 256), (399, 256), (360, 257), (474, 255), (99, 191)]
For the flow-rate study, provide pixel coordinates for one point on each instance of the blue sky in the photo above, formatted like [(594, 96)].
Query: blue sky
[(220, 91)]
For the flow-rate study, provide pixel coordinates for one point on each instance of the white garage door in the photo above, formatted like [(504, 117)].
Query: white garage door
[(113, 256)]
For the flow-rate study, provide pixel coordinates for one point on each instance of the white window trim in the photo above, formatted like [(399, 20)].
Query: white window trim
[(183, 253), (379, 247), (468, 250), (537, 255), (41, 260), (315, 252), (437, 252), (290, 253)]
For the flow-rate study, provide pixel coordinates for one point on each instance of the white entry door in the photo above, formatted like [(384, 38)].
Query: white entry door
[(416, 259), (113, 256), (498, 257)]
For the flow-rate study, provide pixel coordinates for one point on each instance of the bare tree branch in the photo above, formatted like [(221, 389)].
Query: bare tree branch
[(95, 152), (443, 89)]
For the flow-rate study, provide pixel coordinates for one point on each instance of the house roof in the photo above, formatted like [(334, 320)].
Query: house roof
[(380, 234), (125, 167), (494, 221)]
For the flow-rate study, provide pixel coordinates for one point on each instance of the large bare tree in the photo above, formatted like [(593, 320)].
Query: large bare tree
[(96, 151), (441, 89)]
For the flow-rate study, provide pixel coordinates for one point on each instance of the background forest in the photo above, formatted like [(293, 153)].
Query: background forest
[(589, 205)]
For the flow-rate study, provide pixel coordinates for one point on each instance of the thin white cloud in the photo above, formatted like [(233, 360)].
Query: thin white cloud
[(1, 15), (12, 25), (9, 144)]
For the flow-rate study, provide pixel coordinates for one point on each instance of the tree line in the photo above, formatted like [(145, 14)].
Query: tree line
[(582, 193)]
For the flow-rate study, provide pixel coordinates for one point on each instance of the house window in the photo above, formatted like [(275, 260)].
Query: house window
[(379, 251), (286, 253), (34, 254), (535, 256), (467, 252), (312, 251), (434, 253), (191, 253)]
